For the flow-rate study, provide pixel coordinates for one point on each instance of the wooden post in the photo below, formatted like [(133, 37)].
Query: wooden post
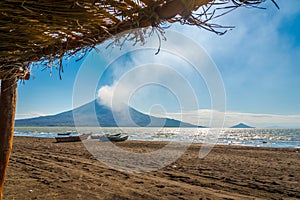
[(8, 99)]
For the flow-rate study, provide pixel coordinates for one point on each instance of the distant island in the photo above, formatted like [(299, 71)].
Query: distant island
[(94, 114), (241, 125)]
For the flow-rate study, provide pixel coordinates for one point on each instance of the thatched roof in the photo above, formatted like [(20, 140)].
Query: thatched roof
[(38, 30)]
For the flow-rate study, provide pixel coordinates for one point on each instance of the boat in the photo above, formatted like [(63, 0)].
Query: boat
[(66, 133), (114, 137), (68, 139), (74, 138)]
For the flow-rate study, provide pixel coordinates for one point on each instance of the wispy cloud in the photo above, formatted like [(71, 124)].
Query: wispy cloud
[(148, 84), (258, 59), (141, 76), (29, 115), (203, 117)]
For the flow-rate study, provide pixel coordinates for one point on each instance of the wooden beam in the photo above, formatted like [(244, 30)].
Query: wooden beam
[(8, 100), (20, 73), (179, 7)]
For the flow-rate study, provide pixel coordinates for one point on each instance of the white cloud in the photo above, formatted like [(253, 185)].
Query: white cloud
[(182, 68), (147, 83), (256, 37), (29, 115), (115, 96), (203, 117)]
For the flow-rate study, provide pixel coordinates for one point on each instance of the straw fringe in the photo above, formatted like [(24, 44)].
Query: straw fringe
[(46, 30)]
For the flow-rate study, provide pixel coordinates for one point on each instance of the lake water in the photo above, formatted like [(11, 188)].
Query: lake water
[(277, 138)]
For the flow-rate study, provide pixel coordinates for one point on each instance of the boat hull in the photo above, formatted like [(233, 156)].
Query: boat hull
[(113, 138), (68, 139)]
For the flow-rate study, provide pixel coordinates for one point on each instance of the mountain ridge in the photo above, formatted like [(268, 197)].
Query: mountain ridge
[(241, 125), (94, 114)]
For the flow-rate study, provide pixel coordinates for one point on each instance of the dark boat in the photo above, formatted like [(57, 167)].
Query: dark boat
[(66, 133), (114, 137), (68, 139), (74, 138)]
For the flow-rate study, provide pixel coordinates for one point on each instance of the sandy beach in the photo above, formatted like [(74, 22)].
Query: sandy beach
[(42, 169)]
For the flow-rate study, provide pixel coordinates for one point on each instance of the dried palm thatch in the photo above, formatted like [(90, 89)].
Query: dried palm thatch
[(47, 30)]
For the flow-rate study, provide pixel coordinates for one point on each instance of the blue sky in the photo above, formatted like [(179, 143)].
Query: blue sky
[(258, 61)]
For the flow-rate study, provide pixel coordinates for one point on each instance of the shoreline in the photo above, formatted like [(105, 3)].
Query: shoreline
[(274, 138), (42, 169), (188, 142)]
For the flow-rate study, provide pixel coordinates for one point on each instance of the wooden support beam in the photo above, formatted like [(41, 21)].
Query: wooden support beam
[(8, 100), (20, 73)]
